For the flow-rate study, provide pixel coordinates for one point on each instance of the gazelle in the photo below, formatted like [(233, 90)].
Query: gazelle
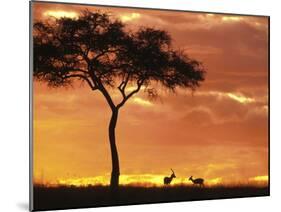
[(199, 181), (168, 180)]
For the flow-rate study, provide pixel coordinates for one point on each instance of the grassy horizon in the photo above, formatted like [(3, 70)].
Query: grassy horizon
[(61, 197), (153, 185)]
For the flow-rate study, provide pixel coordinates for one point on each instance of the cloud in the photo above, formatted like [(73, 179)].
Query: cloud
[(231, 18), (60, 14), (238, 97), (127, 17), (263, 178), (142, 102)]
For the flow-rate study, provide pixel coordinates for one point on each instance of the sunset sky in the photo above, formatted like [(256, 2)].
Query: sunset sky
[(219, 133)]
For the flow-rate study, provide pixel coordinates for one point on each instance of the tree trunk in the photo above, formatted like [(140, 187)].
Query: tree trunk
[(114, 154)]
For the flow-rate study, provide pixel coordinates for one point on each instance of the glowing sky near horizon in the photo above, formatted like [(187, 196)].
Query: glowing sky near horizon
[(219, 133)]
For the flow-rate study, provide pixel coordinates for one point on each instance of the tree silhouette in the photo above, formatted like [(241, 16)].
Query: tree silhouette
[(100, 51)]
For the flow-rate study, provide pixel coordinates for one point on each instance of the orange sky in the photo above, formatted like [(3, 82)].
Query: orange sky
[(220, 133)]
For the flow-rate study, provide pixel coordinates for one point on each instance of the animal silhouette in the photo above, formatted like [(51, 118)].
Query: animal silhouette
[(168, 180), (197, 181)]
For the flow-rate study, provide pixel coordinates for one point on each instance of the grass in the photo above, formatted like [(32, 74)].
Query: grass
[(63, 197)]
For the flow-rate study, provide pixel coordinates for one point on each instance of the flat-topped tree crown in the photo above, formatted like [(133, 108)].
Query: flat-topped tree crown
[(98, 49)]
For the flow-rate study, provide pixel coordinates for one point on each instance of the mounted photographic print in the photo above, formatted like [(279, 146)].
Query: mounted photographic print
[(135, 106)]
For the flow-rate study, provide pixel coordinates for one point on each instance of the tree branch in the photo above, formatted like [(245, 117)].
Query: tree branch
[(121, 89), (107, 97), (139, 84), (123, 85), (104, 52), (80, 70), (93, 87), (102, 89)]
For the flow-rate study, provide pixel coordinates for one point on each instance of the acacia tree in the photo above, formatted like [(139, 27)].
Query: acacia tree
[(101, 52)]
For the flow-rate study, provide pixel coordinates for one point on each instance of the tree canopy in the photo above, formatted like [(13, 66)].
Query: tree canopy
[(99, 50)]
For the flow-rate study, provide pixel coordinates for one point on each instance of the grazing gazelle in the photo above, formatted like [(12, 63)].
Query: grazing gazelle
[(198, 181), (168, 180)]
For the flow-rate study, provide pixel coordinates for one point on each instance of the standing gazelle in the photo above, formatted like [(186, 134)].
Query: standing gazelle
[(168, 180), (199, 181)]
